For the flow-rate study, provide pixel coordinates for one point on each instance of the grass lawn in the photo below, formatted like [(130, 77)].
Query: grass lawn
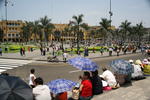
[(14, 48), (96, 48)]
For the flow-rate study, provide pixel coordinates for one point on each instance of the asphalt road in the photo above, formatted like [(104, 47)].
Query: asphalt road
[(51, 71)]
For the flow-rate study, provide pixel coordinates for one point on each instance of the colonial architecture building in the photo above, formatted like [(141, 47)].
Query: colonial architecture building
[(11, 30)]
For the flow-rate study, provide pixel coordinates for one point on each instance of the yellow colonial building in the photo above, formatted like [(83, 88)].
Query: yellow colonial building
[(61, 28), (12, 30)]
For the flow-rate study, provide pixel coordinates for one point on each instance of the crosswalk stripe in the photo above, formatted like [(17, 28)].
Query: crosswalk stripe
[(8, 64), (15, 62), (5, 68), (11, 64), (1, 70)]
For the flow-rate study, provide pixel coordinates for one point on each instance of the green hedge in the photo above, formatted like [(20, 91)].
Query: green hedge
[(12, 48), (97, 48)]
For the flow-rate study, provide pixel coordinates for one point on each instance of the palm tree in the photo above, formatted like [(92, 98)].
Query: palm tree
[(140, 30), (132, 36), (47, 27), (77, 24), (125, 29), (105, 25), (1, 35), (35, 30), (27, 31)]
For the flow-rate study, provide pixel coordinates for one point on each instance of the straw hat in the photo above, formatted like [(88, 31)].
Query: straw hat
[(138, 62)]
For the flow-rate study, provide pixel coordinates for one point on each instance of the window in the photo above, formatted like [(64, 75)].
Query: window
[(13, 35), (17, 35), (9, 35)]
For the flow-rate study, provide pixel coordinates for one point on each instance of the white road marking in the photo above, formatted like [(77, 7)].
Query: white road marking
[(1, 70), (7, 64), (74, 71), (5, 68)]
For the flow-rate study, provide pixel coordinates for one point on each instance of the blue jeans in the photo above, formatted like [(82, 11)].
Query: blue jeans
[(85, 98)]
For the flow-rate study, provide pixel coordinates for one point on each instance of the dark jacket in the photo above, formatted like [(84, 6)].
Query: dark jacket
[(97, 85)]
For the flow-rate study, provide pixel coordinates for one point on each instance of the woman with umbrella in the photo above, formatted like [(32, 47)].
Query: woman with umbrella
[(123, 70), (86, 87)]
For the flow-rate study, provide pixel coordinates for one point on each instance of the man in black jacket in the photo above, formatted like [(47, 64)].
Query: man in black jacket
[(97, 83)]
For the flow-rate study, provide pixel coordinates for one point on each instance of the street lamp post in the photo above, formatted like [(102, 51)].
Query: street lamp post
[(6, 16), (110, 13)]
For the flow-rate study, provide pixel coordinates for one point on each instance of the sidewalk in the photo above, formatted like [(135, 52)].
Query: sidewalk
[(36, 55), (139, 90)]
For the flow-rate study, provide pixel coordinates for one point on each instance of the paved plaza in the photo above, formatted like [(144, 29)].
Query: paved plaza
[(138, 90)]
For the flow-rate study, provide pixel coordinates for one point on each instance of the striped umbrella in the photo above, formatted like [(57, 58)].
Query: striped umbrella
[(61, 85), (121, 66), (84, 64)]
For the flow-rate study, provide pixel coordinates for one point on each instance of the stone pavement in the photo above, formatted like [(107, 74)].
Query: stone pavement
[(36, 55), (139, 90)]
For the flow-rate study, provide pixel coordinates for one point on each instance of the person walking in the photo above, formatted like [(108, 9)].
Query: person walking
[(44, 51), (101, 50), (110, 51), (1, 51), (21, 51), (86, 52), (65, 56), (41, 49), (118, 51), (32, 78)]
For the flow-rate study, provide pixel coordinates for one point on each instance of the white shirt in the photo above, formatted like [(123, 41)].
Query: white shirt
[(109, 77), (110, 49), (65, 55), (30, 79), (41, 92), (137, 71)]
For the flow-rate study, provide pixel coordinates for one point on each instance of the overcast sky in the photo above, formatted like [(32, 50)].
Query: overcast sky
[(61, 11)]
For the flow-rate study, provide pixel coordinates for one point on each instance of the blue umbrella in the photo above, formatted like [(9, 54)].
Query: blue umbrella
[(121, 66), (84, 64), (61, 85)]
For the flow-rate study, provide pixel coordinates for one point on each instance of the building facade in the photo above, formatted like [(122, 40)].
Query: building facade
[(11, 30), (67, 36)]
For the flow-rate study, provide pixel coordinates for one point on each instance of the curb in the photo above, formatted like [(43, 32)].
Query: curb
[(63, 61)]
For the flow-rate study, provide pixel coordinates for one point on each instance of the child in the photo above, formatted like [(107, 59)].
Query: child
[(76, 92)]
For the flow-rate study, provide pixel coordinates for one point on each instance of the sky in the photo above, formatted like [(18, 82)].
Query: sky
[(61, 11)]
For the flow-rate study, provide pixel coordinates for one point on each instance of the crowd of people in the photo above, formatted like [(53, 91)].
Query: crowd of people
[(91, 82)]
